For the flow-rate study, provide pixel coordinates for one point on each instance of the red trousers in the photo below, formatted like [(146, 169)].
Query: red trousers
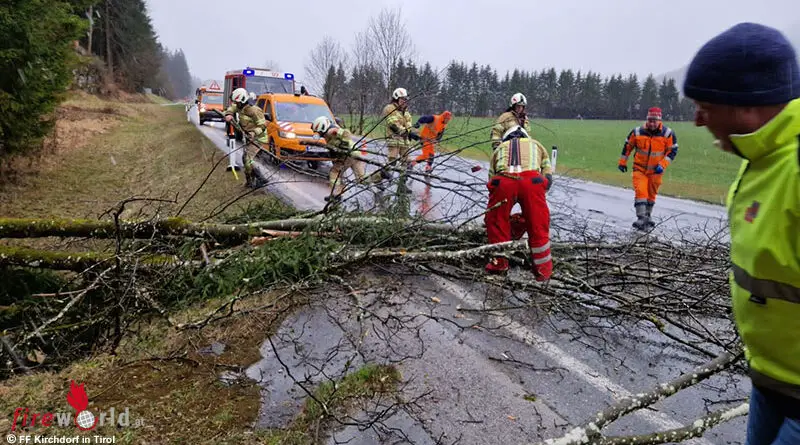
[(527, 189)]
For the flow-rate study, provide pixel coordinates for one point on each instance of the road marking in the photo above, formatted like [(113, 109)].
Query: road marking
[(577, 367)]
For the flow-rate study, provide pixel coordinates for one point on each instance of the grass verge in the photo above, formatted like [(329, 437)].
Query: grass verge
[(340, 397), (111, 151), (147, 152)]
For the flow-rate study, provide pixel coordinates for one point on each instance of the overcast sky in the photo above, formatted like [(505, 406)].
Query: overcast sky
[(603, 36)]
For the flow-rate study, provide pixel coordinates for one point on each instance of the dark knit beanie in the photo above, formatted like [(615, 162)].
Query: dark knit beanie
[(747, 65)]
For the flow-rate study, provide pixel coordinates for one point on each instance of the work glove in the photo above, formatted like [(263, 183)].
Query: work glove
[(417, 124), (622, 167), (413, 135), (549, 182), (659, 169)]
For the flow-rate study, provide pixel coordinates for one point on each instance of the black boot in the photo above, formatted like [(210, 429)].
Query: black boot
[(641, 215), (649, 224)]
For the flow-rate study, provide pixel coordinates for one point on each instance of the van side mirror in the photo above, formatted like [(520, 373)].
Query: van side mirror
[(268, 116)]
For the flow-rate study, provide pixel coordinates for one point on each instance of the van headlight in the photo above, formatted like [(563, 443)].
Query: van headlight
[(287, 134)]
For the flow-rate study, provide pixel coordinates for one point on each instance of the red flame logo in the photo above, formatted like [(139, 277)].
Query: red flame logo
[(77, 397)]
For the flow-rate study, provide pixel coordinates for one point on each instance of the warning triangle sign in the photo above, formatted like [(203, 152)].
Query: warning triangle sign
[(214, 85)]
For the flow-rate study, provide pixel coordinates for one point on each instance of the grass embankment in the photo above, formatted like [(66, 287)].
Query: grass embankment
[(111, 151), (589, 149), (107, 152)]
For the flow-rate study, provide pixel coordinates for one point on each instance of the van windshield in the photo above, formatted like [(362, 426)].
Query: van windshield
[(300, 112), (212, 98)]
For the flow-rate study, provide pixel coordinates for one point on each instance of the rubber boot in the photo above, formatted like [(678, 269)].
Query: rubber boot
[(649, 224), (641, 215), (497, 266)]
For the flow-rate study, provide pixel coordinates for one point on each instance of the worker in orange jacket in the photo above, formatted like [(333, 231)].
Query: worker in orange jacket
[(656, 146), (433, 126)]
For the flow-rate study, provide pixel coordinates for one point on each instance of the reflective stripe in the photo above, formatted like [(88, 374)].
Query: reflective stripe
[(541, 249), (538, 261), (765, 288)]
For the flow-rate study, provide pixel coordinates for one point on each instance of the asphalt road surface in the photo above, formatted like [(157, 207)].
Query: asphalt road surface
[(455, 194), (501, 376)]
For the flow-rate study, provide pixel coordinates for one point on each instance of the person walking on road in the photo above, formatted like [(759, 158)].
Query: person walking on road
[(252, 121), (339, 141), (745, 83), (433, 126), (520, 172), (655, 146), (513, 116), (399, 132)]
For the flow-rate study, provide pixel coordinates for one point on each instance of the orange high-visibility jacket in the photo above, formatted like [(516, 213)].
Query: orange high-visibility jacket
[(652, 148), (433, 128)]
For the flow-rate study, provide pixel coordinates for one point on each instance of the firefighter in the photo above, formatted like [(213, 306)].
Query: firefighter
[(399, 132), (656, 146), (520, 172), (252, 121), (745, 83), (431, 133), (339, 141), (513, 116)]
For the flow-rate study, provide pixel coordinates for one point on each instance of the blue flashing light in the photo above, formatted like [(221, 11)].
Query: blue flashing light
[(249, 72), (288, 76)]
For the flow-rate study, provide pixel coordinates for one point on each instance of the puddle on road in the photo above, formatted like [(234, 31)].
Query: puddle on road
[(315, 349)]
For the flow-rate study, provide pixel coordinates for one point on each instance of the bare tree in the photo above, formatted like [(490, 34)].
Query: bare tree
[(328, 53), (272, 64), (363, 52), (392, 42)]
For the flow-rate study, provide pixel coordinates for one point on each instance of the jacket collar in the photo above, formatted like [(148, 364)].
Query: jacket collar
[(778, 132)]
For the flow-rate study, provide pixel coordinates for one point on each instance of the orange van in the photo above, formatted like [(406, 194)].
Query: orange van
[(209, 104), (289, 118)]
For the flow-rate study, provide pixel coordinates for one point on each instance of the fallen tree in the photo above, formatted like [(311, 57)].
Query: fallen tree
[(677, 290)]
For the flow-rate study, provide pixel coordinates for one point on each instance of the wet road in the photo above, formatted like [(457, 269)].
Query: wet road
[(455, 194), (505, 376), (513, 376)]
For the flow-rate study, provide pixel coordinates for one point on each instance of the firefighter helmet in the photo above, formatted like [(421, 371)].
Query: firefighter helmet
[(239, 95), (321, 124), (519, 99), (515, 132), (398, 93)]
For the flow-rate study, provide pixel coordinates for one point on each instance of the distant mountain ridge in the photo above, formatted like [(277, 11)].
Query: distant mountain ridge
[(792, 33)]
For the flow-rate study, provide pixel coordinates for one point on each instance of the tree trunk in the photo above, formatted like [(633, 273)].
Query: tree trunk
[(222, 233), (108, 41), (90, 16), (74, 261)]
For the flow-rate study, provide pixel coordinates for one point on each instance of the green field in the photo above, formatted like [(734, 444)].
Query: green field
[(589, 149)]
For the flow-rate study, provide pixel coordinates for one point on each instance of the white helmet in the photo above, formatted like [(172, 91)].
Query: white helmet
[(515, 129), (519, 99), (321, 124), (239, 95), (398, 93)]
